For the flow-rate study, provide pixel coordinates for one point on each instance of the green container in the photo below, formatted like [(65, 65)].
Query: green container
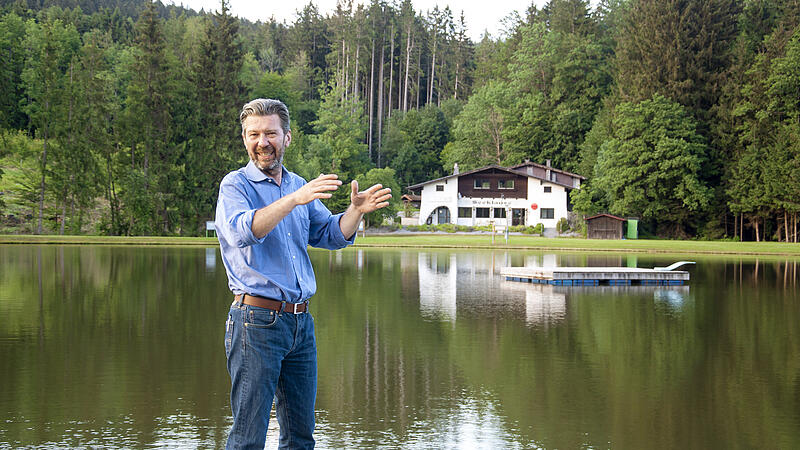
[(633, 229)]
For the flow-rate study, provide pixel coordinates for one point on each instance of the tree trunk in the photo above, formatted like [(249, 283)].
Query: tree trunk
[(455, 92), (63, 213), (42, 184), (786, 224), (380, 105), (355, 75), (391, 72), (371, 99), (419, 69), (433, 69), (755, 222), (408, 60)]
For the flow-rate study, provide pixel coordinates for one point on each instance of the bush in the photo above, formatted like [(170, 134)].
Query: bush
[(562, 226), (526, 230), (446, 227), (419, 228)]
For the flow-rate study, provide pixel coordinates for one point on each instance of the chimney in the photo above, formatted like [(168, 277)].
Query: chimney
[(548, 163), (455, 169), (547, 172)]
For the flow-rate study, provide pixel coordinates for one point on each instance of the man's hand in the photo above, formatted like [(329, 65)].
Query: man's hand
[(266, 218), (362, 203), (371, 199), (319, 187)]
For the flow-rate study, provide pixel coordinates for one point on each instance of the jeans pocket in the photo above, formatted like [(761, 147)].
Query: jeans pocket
[(260, 317), (229, 334)]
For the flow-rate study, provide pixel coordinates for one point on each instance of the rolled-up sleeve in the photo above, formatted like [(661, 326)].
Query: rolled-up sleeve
[(234, 218), (324, 230)]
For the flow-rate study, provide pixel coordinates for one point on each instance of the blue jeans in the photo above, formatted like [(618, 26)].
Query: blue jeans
[(271, 355)]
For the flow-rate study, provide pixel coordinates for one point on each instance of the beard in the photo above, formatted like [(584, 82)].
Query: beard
[(273, 165)]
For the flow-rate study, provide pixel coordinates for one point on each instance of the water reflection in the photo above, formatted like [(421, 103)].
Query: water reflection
[(543, 305), (211, 259), (470, 281), (438, 285), (122, 347)]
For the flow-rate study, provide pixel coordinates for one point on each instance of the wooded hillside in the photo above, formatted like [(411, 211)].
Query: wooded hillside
[(121, 117)]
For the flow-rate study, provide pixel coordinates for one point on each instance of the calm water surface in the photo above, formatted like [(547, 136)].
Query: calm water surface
[(123, 347)]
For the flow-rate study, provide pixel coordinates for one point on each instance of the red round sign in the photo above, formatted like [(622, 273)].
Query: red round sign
[(534, 206)]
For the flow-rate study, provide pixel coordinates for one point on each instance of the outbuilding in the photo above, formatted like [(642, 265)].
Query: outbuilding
[(604, 226)]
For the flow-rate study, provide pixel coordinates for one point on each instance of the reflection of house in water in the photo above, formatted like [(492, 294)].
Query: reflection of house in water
[(543, 305), (470, 281), (437, 285)]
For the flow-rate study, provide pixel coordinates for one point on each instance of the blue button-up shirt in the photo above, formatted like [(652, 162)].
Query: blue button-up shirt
[(277, 265)]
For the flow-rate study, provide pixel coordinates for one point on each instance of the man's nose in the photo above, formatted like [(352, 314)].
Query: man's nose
[(263, 141)]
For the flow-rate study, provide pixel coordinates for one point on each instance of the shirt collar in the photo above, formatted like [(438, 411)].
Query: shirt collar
[(255, 174)]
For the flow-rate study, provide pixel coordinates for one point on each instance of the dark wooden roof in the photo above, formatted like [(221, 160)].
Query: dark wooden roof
[(542, 166), (516, 170), (493, 166), (605, 215)]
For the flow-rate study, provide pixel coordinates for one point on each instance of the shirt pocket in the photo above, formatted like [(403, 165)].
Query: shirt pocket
[(303, 223)]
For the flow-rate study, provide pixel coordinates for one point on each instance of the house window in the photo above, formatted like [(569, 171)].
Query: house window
[(505, 184), (482, 213), (499, 213), (548, 189), (464, 213), (482, 184), (439, 188), (548, 213)]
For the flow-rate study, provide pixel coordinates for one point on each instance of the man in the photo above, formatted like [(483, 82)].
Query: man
[(266, 218)]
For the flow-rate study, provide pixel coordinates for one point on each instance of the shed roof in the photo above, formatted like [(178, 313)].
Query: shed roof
[(605, 215)]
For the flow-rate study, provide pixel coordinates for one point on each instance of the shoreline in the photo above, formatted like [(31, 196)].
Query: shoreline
[(441, 240)]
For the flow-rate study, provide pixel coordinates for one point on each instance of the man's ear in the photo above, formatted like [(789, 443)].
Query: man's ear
[(288, 138)]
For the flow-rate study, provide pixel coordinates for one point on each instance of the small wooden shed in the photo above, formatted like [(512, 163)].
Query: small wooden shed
[(604, 226)]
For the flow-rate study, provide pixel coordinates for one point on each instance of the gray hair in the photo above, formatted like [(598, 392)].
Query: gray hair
[(266, 107)]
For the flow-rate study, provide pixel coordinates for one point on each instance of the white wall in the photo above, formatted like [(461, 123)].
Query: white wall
[(432, 199), (556, 199)]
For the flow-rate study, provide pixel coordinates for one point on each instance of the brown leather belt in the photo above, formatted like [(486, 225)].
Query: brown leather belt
[(268, 303)]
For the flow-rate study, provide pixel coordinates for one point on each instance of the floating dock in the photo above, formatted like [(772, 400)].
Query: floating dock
[(596, 276)]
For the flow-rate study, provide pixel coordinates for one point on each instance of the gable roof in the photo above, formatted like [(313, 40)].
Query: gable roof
[(461, 174), (605, 215), (528, 163), (519, 170)]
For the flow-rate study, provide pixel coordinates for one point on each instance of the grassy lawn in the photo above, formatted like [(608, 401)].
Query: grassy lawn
[(447, 240)]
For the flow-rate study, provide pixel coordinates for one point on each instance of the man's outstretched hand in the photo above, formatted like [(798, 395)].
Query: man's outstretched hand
[(371, 199)]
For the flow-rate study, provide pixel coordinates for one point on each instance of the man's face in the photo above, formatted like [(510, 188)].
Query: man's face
[(266, 142)]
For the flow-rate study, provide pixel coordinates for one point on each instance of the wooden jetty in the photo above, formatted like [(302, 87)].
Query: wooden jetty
[(597, 276)]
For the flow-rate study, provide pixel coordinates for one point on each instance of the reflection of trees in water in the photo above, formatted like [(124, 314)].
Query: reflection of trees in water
[(100, 333)]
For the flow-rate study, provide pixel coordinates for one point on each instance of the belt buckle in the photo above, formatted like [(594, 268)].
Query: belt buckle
[(294, 308)]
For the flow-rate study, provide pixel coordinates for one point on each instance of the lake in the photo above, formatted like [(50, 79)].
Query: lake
[(117, 346)]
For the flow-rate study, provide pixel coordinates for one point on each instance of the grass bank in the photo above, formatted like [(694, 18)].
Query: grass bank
[(456, 240)]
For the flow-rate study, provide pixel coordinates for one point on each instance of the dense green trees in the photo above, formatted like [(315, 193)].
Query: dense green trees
[(683, 113)]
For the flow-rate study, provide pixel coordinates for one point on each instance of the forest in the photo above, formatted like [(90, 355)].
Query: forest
[(120, 117)]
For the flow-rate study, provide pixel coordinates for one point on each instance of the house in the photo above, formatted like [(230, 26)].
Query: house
[(525, 194), (604, 226)]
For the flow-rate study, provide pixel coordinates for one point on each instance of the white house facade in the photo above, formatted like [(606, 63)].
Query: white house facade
[(526, 194)]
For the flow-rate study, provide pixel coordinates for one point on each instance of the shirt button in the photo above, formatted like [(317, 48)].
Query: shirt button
[(294, 257), (289, 234)]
